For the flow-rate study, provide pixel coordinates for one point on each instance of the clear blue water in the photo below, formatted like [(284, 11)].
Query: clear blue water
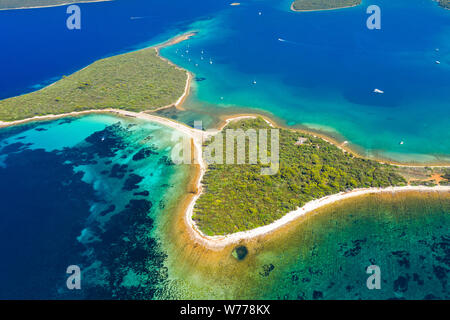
[(89, 192)]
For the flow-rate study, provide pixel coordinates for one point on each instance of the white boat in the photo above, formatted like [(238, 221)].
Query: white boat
[(378, 91), (438, 62)]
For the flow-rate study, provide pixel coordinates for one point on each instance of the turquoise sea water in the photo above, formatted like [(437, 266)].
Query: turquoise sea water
[(319, 69), (326, 256)]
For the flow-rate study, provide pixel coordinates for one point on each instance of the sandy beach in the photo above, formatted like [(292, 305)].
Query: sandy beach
[(187, 88), (220, 242)]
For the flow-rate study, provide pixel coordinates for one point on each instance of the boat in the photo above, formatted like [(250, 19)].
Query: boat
[(378, 91)]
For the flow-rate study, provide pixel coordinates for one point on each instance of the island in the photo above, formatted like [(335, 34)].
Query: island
[(135, 81), (235, 202), (317, 5), (28, 4), (238, 198)]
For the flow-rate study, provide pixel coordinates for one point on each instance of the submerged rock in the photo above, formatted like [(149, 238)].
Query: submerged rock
[(240, 252), (267, 268)]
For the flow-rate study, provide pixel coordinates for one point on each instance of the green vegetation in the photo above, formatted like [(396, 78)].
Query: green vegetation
[(305, 5), (238, 198), (444, 4), (135, 81), (14, 4)]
